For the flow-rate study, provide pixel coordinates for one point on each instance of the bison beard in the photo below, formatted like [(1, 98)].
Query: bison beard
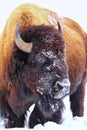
[(39, 75)]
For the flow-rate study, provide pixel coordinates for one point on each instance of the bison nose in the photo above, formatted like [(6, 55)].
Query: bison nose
[(61, 88)]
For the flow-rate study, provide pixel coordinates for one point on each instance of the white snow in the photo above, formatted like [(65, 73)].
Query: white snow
[(75, 9), (49, 54)]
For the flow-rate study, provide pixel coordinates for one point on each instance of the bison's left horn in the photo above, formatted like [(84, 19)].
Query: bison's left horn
[(22, 45)]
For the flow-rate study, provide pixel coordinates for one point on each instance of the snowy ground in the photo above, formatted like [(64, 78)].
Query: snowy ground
[(76, 10)]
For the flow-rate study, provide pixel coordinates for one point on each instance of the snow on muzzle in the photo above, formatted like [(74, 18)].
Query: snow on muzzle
[(61, 89), (56, 91)]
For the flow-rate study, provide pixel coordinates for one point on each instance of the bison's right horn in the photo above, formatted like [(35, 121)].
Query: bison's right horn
[(59, 27), (22, 45)]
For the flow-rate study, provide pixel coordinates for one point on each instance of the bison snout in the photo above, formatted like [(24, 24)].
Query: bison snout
[(61, 89)]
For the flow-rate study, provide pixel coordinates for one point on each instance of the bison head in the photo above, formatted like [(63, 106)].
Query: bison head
[(37, 70)]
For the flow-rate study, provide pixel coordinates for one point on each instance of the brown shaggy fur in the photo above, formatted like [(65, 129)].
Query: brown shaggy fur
[(76, 54)]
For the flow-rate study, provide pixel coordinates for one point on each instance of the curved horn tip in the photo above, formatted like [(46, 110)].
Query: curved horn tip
[(59, 27)]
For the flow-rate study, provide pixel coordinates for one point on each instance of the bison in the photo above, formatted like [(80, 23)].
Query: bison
[(42, 60)]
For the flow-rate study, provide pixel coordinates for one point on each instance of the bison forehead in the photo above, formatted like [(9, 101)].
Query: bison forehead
[(50, 54)]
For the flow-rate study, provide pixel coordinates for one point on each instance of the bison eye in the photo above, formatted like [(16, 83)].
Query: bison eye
[(40, 60)]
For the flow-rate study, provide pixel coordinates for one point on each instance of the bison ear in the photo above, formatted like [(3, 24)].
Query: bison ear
[(22, 45), (59, 28)]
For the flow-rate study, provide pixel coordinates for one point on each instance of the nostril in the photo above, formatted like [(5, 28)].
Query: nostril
[(59, 86)]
